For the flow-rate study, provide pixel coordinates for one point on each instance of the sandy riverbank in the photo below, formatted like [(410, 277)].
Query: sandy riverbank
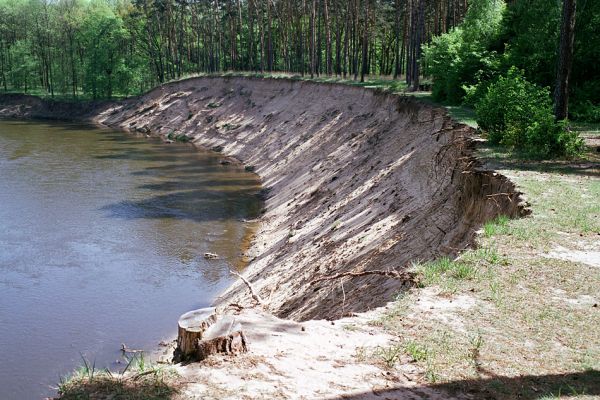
[(355, 181)]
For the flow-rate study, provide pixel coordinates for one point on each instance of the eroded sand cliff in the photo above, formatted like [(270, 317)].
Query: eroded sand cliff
[(355, 180)]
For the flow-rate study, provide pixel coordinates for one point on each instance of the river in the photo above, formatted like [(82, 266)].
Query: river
[(102, 236)]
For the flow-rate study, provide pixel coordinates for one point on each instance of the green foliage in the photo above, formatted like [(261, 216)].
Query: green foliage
[(493, 38), (103, 36), (444, 64), (530, 30), (518, 114), (461, 58), (24, 72), (585, 111)]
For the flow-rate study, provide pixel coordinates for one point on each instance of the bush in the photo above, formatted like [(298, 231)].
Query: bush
[(585, 111), (462, 57), (518, 114)]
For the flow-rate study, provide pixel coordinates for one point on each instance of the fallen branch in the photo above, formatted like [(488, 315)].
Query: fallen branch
[(254, 295), (403, 276)]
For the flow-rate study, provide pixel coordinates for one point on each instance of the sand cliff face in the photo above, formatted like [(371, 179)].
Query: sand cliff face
[(355, 180)]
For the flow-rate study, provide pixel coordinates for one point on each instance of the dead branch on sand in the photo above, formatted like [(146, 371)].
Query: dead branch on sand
[(254, 295)]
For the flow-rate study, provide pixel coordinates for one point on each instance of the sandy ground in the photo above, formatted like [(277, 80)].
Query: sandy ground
[(308, 360)]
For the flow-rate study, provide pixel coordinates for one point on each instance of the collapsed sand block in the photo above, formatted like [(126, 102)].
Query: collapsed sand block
[(201, 333)]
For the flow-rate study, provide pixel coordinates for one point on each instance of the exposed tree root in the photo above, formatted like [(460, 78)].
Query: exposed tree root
[(406, 277)]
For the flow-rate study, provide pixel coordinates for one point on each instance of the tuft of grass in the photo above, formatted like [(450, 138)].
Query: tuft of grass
[(389, 355), (444, 269), (476, 342), (498, 226), (138, 381), (416, 351)]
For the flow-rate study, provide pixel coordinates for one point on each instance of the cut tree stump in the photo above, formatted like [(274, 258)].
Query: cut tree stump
[(225, 336), (202, 334), (191, 328)]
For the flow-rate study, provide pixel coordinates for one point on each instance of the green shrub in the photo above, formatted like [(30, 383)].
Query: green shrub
[(585, 111), (518, 114), (463, 56)]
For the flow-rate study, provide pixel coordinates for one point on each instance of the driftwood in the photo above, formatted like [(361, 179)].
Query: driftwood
[(403, 276), (254, 295), (126, 349)]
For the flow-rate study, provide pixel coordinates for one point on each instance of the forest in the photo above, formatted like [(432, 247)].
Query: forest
[(101, 49)]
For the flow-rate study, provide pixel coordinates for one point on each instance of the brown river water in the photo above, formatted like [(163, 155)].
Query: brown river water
[(102, 236)]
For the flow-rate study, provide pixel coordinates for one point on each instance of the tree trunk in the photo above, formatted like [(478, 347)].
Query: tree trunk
[(328, 55), (192, 326), (565, 60), (312, 39), (365, 43), (201, 334), (225, 336), (397, 42)]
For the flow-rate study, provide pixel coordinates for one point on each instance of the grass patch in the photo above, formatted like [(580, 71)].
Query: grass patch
[(445, 270), (138, 381), (523, 314), (498, 226), (389, 355)]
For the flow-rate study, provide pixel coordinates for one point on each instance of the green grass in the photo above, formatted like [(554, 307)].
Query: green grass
[(416, 351), (497, 226), (389, 355), (445, 270), (138, 381)]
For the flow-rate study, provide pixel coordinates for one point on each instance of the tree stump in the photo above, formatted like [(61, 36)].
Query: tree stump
[(191, 328), (202, 334), (225, 336)]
